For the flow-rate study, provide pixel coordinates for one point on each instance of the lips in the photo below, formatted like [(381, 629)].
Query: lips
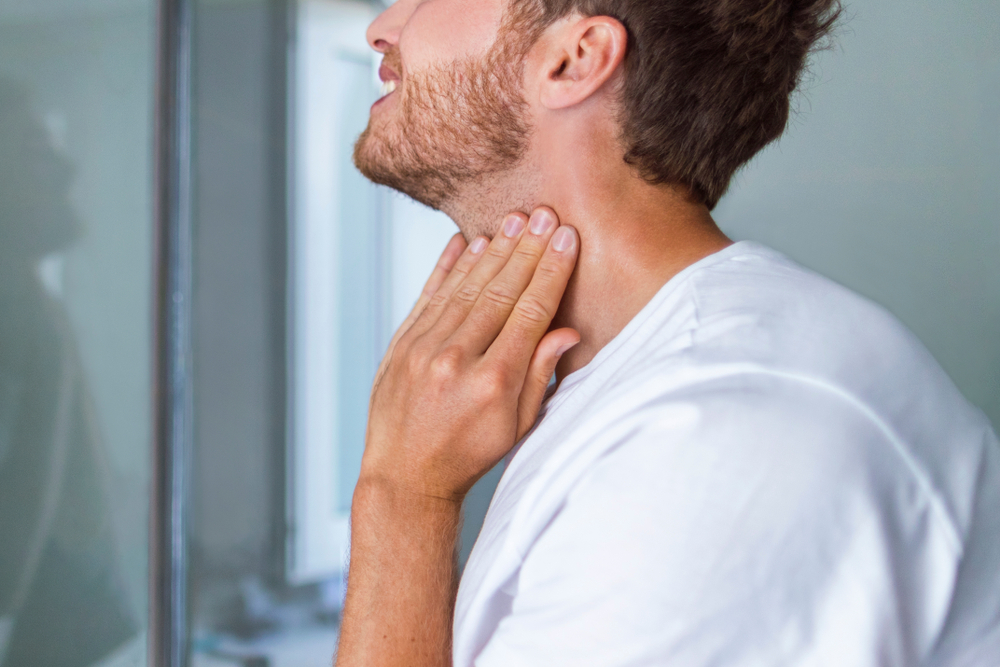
[(390, 80)]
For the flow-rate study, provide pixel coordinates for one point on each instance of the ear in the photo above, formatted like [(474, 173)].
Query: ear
[(580, 56)]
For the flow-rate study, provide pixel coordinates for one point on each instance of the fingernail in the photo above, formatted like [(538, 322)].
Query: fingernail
[(512, 226), (478, 245), (565, 348), (563, 240), (540, 222)]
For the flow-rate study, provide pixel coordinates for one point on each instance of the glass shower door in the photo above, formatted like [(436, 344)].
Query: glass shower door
[(76, 107)]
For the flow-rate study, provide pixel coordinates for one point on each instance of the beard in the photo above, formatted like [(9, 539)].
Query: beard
[(453, 125)]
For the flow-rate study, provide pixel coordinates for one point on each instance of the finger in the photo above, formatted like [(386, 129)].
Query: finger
[(496, 292), (543, 364), (456, 246), (449, 256), (515, 231), (436, 302), (536, 307)]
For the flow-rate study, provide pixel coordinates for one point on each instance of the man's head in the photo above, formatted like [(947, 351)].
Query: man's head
[(460, 116), (698, 87), (36, 217)]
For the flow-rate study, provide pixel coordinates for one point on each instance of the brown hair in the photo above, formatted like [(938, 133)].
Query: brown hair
[(707, 83)]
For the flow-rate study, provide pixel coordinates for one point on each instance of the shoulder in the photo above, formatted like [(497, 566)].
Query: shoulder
[(739, 507), (752, 307), (749, 507), (768, 331), (791, 441), (790, 446), (761, 305)]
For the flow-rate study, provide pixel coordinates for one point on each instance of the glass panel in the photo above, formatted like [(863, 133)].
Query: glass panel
[(76, 100)]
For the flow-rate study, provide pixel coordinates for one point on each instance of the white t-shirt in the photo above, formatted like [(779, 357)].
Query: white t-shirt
[(762, 469)]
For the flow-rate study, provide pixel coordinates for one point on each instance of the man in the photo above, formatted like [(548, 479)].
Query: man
[(740, 462)]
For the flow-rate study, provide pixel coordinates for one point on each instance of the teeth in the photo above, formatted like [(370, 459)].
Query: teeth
[(388, 87)]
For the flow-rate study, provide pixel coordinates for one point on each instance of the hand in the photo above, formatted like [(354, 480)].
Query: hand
[(465, 375)]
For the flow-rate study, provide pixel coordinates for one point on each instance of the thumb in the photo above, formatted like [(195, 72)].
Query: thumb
[(543, 364)]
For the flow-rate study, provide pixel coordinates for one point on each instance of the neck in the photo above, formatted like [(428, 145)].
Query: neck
[(634, 236)]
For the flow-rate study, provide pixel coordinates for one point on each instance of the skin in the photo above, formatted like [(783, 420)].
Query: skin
[(465, 375)]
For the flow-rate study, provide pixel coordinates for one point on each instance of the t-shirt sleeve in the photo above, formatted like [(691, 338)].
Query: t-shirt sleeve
[(779, 525)]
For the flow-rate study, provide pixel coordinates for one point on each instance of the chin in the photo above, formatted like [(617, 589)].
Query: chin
[(397, 164)]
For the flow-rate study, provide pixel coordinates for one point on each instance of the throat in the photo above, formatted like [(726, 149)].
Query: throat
[(480, 208)]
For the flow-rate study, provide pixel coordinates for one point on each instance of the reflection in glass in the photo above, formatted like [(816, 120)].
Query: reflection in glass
[(76, 93), (61, 600)]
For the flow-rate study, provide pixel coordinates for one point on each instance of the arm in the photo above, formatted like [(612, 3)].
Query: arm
[(461, 383)]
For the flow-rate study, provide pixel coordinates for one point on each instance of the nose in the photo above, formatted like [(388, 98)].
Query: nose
[(383, 33)]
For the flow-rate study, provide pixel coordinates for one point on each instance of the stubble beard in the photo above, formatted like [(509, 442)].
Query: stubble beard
[(456, 129)]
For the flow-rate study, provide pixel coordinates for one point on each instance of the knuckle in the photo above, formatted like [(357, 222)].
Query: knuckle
[(461, 269), (467, 294), (416, 354), (463, 265), (533, 310), (447, 362), (438, 299), (496, 251), (527, 251), (501, 295), (549, 270), (494, 385)]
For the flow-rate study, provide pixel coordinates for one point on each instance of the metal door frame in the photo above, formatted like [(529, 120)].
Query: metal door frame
[(172, 391)]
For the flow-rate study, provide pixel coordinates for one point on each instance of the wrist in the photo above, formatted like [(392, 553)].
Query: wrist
[(392, 522), (380, 495), (384, 484)]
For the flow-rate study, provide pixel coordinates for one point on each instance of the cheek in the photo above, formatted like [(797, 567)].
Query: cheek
[(443, 31)]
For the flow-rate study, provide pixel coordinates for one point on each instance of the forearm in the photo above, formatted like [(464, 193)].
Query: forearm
[(402, 580), (461, 383)]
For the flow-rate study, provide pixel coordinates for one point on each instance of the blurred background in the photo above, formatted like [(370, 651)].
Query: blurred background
[(888, 180)]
